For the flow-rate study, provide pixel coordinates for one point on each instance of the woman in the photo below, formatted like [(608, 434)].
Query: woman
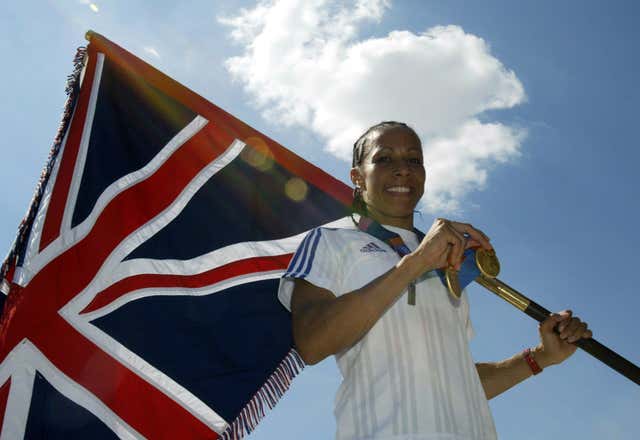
[(400, 340)]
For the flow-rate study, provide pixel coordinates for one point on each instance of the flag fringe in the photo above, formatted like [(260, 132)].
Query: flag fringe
[(72, 90), (265, 398)]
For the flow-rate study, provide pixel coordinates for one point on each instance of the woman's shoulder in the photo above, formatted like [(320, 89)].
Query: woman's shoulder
[(338, 237), (340, 230)]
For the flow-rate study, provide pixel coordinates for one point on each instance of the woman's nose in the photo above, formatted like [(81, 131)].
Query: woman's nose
[(401, 168)]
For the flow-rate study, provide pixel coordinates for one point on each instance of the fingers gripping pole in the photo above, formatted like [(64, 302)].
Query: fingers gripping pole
[(539, 313)]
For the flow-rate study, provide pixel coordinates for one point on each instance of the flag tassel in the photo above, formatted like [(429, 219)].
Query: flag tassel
[(266, 397), (72, 90)]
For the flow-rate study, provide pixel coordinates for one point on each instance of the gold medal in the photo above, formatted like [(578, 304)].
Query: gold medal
[(488, 263), (453, 283)]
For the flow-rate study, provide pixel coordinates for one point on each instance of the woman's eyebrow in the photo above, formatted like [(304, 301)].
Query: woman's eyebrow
[(378, 150)]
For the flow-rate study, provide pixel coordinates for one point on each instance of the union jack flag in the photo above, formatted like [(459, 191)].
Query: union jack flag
[(142, 286)]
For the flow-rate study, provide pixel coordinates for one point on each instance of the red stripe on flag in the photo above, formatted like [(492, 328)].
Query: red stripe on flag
[(4, 396), (146, 281), (60, 193), (131, 397), (141, 203)]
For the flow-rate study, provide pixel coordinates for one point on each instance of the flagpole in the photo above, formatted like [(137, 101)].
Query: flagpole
[(539, 313)]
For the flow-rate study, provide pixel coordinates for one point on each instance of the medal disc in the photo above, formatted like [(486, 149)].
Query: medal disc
[(453, 284), (488, 263)]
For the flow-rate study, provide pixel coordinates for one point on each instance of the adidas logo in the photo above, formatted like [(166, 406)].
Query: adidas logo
[(372, 247)]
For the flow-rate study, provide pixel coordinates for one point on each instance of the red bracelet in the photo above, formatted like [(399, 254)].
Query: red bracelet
[(528, 356)]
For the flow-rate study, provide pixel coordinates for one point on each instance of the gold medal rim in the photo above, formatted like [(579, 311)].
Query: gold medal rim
[(482, 255), (453, 283)]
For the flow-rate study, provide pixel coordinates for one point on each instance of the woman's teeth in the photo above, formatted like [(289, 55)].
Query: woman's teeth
[(400, 189)]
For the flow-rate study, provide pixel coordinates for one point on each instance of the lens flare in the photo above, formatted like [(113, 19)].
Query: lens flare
[(296, 189), (257, 154)]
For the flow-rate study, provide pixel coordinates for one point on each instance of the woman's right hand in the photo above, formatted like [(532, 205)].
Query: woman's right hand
[(445, 243)]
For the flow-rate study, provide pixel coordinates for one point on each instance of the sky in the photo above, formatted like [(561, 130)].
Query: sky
[(527, 112)]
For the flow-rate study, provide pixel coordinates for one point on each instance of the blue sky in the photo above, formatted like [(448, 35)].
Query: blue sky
[(558, 194)]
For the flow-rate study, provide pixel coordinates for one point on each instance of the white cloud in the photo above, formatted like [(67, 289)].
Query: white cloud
[(303, 65), (458, 163), (151, 51)]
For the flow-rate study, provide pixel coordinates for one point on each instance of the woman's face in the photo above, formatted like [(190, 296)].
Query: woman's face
[(391, 175)]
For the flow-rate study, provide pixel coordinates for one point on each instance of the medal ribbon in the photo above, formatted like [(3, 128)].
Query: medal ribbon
[(468, 270)]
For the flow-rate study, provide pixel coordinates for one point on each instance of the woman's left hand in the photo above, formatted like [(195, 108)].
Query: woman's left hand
[(556, 346)]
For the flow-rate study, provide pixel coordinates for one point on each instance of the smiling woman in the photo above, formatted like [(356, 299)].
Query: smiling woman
[(344, 288), (388, 173)]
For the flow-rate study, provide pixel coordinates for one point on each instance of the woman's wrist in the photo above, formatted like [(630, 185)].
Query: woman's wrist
[(412, 266), (542, 358)]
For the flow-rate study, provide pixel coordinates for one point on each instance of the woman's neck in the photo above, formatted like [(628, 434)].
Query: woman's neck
[(400, 222)]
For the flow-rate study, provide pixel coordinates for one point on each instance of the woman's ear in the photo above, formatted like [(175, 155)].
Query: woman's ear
[(356, 178)]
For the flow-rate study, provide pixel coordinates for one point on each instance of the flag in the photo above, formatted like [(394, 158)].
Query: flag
[(141, 289)]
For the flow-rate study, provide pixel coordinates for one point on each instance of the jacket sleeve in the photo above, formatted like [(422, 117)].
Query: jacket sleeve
[(317, 260)]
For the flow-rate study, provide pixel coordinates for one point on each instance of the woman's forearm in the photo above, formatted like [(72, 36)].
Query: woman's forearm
[(324, 325), (498, 377)]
